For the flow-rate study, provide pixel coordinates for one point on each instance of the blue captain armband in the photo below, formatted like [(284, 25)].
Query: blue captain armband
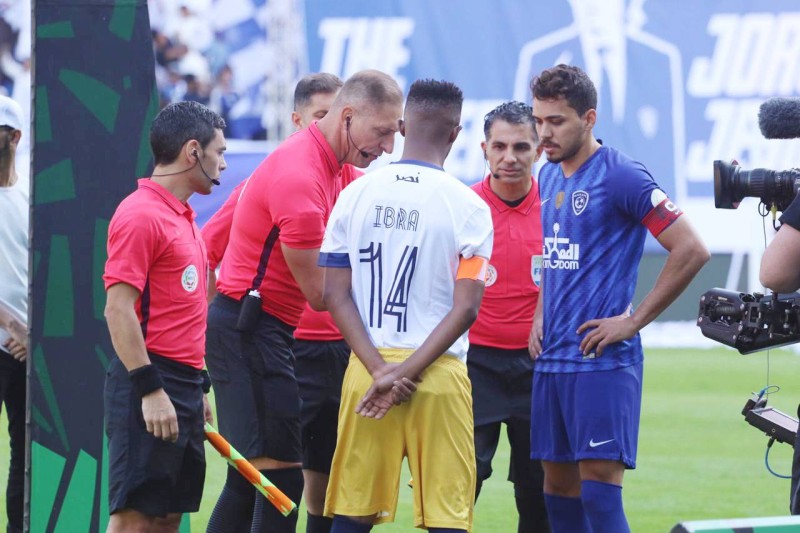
[(334, 260)]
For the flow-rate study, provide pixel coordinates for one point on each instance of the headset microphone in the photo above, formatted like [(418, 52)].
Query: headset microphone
[(197, 159), (363, 153)]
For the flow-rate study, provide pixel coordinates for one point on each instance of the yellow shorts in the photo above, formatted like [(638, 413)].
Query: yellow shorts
[(434, 430)]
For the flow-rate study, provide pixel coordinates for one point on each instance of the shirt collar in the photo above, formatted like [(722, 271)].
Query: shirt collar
[(501, 206), (170, 199), (325, 146)]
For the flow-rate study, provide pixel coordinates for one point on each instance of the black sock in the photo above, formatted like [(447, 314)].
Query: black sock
[(266, 518), (318, 524), (531, 509), (233, 512)]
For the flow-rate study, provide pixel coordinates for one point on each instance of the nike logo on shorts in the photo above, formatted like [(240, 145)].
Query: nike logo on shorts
[(593, 444)]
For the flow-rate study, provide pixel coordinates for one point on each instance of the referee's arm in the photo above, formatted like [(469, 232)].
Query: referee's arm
[(126, 336)]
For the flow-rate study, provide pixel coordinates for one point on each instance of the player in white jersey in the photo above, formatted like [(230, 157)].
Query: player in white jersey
[(405, 252)]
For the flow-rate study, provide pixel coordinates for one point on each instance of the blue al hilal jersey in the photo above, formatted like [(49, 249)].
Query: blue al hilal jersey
[(594, 225)]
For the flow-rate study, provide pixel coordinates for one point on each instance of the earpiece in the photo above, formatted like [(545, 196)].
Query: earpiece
[(194, 153)]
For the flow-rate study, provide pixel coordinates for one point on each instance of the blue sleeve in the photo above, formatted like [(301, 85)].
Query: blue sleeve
[(633, 190)]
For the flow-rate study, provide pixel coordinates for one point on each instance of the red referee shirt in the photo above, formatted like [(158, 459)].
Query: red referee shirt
[(287, 200), (155, 246), (506, 312), (217, 231), (313, 325)]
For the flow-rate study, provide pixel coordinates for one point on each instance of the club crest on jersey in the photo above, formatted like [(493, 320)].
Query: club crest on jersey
[(536, 270), (491, 276), (580, 199), (189, 278)]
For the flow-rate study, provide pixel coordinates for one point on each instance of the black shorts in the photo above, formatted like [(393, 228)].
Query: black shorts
[(501, 392), (320, 367), (501, 383), (258, 402), (146, 473)]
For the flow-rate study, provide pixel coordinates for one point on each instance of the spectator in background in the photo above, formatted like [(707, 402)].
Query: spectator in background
[(13, 305)]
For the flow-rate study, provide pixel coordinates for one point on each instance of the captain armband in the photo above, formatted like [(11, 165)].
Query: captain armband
[(663, 214), (473, 268)]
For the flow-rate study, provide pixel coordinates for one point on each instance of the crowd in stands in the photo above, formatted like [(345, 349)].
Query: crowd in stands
[(201, 47)]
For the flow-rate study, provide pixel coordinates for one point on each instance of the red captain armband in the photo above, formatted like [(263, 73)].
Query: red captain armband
[(473, 268), (662, 215)]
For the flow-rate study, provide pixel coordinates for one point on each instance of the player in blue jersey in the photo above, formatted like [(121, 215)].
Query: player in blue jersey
[(597, 205)]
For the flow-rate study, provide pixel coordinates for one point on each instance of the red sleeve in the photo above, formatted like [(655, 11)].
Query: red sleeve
[(299, 210), (349, 174), (133, 245), (217, 231)]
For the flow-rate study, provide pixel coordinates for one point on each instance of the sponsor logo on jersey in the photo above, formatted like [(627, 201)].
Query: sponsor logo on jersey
[(491, 275), (189, 278), (536, 270), (408, 179), (580, 199), (559, 253), (559, 199)]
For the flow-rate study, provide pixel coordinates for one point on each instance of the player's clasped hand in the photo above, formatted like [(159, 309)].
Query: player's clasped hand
[(159, 416), (388, 389)]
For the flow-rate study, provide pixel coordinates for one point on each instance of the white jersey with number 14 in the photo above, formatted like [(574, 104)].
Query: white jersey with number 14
[(403, 229)]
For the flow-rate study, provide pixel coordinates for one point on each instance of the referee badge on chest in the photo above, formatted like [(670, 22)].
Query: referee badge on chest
[(189, 278), (536, 270), (491, 276)]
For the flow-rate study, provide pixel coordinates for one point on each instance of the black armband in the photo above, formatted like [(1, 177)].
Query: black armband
[(145, 379), (206, 385)]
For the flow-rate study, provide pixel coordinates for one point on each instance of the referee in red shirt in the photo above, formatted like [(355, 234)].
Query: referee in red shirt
[(270, 271), (156, 310), (500, 367), (321, 354)]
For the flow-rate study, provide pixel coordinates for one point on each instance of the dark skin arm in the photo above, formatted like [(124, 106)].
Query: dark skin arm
[(394, 383)]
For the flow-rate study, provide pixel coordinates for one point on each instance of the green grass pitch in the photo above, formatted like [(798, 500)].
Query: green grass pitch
[(698, 458)]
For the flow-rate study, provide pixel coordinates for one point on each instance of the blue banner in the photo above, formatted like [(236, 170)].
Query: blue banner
[(679, 82)]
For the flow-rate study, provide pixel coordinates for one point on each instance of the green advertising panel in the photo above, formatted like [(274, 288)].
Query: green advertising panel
[(94, 99)]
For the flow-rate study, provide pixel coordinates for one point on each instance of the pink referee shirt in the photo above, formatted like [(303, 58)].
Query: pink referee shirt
[(287, 200), (506, 313), (217, 231), (155, 246)]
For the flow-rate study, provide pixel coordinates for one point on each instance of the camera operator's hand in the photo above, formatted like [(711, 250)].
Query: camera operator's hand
[(606, 331)]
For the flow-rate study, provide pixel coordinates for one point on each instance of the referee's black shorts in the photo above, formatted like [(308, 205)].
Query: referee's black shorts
[(501, 393), (255, 389), (320, 367), (146, 473)]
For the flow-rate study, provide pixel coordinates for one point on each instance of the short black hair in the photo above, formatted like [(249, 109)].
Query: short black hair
[(512, 112), (569, 82), (316, 83), (433, 94), (179, 123)]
